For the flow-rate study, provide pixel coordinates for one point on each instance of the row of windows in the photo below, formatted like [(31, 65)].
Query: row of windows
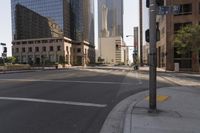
[(37, 49), (44, 49), (185, 9), (178, 26), (39, 41)]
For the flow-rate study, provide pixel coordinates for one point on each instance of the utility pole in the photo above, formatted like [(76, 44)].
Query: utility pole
[(153, 57), (141, 30)]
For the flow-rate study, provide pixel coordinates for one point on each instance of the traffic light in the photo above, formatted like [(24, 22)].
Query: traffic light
[(147, 36), (158, 2), (5, 49)]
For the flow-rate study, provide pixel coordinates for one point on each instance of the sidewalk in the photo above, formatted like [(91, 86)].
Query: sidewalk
[(178, 112), (178, 109)]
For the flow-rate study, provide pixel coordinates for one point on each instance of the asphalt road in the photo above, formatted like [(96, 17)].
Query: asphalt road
[(62, 101)]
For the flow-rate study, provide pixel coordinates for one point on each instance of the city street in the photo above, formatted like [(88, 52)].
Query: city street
[(60, 101)]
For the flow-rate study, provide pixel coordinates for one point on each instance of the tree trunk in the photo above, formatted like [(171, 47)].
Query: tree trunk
[(195, 61)]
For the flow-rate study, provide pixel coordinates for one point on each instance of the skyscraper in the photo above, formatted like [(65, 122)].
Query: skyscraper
[(54, 10), (110, 32), (82, 20), (73, 18), (110, 14)]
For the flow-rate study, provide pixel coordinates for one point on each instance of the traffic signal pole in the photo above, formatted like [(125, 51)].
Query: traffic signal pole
[(153, 57)]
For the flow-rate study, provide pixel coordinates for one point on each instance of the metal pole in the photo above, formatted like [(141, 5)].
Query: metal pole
[(141, 31), (153, 62)]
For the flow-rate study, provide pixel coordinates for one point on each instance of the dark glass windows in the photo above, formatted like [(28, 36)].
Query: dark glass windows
[(178, 26), (51, 48), (44, 49), (185, 9), (45, 15)]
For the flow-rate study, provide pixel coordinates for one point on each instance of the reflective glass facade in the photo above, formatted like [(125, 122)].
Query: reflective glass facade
[(70, 18), (49, 9), (110, 18), (82, 20)]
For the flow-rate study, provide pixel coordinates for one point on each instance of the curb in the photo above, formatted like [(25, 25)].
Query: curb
[(118, 120)]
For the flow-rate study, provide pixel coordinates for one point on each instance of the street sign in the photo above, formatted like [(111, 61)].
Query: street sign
[(163, 10), (176, 9), (3, 44)]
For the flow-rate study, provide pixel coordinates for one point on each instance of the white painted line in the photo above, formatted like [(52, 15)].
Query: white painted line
[(61, 81), (53, 102)]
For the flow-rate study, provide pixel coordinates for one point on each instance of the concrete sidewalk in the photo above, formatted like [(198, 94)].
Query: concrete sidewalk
[(178, 112)]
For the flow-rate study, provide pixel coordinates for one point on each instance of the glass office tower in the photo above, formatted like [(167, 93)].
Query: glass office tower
[(53, 12), (110, 14), (53, 18), (82, 20)]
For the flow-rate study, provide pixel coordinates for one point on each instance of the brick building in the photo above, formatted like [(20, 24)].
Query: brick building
[(168, 25)]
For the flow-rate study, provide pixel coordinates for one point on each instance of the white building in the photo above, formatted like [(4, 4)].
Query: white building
[(112, 50)]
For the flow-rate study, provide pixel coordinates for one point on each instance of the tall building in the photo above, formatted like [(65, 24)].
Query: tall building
[(51, 29), (82, 20), (169, 24), (110, 30), (57, 11), (110, 18)]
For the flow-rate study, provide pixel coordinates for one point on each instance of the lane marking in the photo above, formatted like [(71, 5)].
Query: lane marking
[(60, 81), (53, 102)]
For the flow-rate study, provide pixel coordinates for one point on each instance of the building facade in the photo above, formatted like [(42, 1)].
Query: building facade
[(114, 51), (34, 22), (166, 52), (82, 20), (110, 28), (110, 18)]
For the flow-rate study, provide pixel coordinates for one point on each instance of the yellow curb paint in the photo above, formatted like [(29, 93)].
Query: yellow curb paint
[(160, 98)]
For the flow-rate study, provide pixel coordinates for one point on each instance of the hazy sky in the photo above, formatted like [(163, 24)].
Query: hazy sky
[(131, 13)]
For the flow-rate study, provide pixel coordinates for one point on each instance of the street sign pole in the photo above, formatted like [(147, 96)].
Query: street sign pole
[(153, 56)]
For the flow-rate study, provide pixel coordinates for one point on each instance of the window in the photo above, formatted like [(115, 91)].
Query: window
[(67, 49), (24, 42), (178, 26), (185, 9), (78, 50), (30, 49), (51, 48), (58, 48), (23, 50), (17, 50), (44, 49), (36, 49), (199, 7)]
